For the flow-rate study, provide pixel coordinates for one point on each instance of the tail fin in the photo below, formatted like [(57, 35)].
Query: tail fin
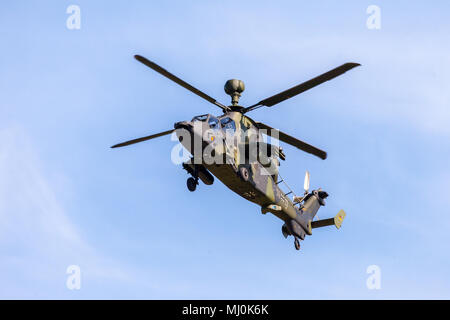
[(336, 221), (312, 203)]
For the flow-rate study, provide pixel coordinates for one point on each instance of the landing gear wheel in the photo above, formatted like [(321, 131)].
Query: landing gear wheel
[(297, 244), (191, 184), (244, 173)]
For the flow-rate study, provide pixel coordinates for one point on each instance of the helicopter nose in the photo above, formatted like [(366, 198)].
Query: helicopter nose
[(183, 125), (185, 132)]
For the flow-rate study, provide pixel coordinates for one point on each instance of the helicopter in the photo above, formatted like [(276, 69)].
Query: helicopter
[(232, 148)]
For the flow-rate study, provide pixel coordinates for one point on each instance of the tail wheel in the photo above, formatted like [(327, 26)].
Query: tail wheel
[(297, 244)]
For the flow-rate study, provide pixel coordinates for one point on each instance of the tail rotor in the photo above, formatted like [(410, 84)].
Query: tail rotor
[(306, 182)]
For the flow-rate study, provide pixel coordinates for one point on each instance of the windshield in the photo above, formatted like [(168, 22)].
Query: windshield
[(213, 122), (202, 117), (228, 125)]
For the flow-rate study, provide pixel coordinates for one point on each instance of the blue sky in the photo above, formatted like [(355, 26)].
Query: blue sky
[(125, 216)]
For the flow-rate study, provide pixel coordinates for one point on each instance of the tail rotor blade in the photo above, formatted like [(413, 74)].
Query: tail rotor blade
[(306, 182)]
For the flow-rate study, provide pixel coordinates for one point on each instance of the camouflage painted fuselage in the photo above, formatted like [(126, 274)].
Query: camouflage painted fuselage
[(254, 180)]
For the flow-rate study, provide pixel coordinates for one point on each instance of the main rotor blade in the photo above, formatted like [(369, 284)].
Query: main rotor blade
[(303, 86), (175, 79), (293, 141), (127, 143)]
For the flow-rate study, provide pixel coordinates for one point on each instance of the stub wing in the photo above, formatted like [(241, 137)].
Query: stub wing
[(336, 221)]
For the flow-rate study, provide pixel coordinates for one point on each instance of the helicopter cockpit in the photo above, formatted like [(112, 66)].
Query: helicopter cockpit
[(202, 117), (226, 123), (212, 121)]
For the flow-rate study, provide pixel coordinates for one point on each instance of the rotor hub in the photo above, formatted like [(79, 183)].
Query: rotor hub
[(234, 88)]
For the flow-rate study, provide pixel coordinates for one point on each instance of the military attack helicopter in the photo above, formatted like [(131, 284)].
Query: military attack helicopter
[(232, 148)]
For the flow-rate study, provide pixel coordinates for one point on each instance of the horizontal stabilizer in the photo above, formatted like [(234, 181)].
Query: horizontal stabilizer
[(336, 221)]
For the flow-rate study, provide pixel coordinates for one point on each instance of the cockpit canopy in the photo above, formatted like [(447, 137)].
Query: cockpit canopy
[(213, 122), (202, 117), (225, 122), (228, 124)]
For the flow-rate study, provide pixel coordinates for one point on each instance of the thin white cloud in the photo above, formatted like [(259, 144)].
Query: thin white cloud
[(37, 238)]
